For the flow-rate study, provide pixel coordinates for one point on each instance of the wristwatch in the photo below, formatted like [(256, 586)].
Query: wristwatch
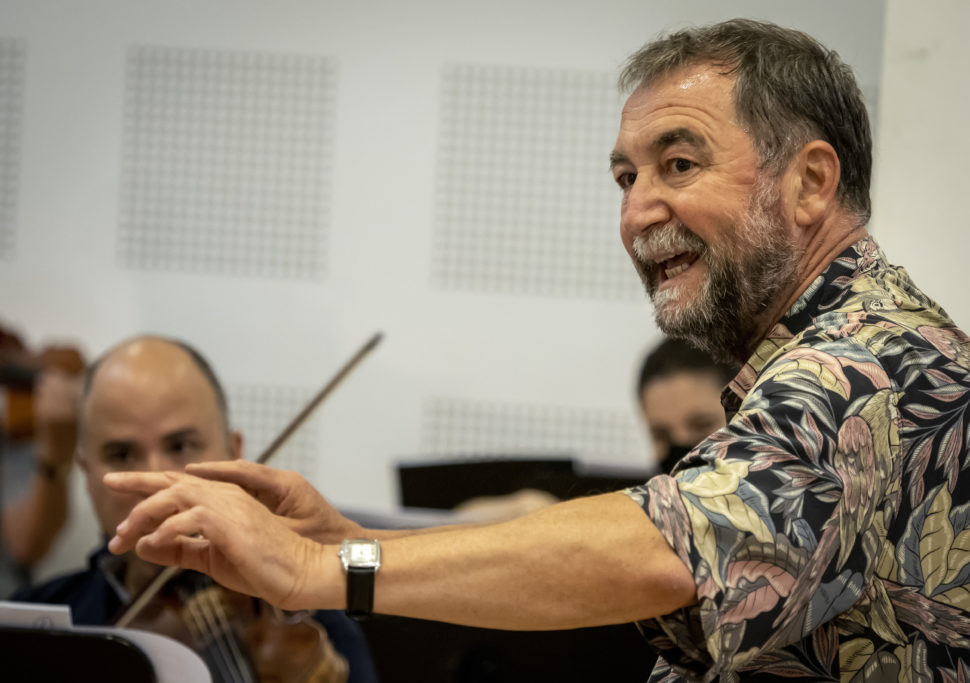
[(361, 558)]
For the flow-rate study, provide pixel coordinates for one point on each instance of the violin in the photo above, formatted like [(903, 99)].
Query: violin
[(20, 369), (242, 638)]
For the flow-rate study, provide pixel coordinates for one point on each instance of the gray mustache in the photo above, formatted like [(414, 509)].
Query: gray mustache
[(670, 237)]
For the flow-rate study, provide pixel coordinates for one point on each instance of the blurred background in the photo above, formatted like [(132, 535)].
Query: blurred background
[(274, 182)]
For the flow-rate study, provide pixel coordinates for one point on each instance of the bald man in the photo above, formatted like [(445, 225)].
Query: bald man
[(150, 405)]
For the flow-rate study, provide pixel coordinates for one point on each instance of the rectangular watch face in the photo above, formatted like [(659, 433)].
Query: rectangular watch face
[(364, 554)]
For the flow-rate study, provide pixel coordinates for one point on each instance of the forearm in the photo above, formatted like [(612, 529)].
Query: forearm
[(32, 523), (587, 562), (390, 534)]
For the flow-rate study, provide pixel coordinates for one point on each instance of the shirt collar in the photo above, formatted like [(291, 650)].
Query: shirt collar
[(825, 292)]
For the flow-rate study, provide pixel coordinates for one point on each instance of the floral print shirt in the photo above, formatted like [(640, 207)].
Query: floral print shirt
[(828, 524)]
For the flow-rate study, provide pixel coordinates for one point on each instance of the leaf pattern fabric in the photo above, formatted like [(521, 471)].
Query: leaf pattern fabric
[(828, 524)]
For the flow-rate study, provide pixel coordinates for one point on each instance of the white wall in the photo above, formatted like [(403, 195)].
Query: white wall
[(569, 359), (920, 213)]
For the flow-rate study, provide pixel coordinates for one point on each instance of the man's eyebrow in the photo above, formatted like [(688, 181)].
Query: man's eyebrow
[(676, 136), (115, 444), (668, 138), (181, 433), (618, 159)]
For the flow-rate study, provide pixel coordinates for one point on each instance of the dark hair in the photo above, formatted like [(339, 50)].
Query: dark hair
[(200, 362), (789, 89), (673, 356)]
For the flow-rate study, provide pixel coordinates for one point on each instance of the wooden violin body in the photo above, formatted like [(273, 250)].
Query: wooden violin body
[(21, 367), (241, 638)]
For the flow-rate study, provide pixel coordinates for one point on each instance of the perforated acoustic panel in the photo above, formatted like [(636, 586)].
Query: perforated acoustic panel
[(12, 64), (261, 412), (227, 162), (459, 427), (524, 200)]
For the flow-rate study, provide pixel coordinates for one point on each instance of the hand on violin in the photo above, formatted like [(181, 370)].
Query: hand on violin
[(286, 494), (56, 405), (219, 529)]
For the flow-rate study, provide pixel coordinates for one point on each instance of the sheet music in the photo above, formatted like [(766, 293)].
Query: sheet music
[(173, 662), (28, 615)]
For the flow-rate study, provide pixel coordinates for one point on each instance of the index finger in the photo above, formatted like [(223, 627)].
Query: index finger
[(240, 472), (258, 480), (143, 483)]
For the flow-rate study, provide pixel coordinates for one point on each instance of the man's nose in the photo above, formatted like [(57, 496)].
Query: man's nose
[(644, 206), (159, 461)]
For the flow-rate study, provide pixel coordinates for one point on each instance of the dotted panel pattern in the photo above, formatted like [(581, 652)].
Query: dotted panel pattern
[(456, 428), (227, 160), (13, 53), (261, 412), (524, 200)]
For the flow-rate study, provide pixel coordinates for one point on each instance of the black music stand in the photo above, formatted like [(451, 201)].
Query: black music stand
[(39, 643), (32, 654), (444, 483)]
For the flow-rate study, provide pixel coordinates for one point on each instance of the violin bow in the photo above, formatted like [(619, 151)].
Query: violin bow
[(328, 388), (166, 574)]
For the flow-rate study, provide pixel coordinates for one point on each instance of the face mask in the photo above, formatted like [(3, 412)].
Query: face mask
[(675, 452)]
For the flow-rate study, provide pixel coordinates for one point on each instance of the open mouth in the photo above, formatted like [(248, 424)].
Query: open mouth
[(666, 253), (672, 267)]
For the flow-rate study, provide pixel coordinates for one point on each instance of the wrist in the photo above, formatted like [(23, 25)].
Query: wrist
[(53, 453), (55, 473), (320, 584)]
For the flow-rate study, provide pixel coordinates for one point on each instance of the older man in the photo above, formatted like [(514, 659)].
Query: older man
[(154, 405), (821, 534)]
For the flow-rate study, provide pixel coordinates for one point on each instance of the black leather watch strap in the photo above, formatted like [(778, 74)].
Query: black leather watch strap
[(360, 591)]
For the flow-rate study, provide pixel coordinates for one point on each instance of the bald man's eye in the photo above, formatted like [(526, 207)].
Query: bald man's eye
[(118, 456), (183, 446)]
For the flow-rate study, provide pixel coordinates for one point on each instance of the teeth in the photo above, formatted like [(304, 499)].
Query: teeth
[(676, 270)]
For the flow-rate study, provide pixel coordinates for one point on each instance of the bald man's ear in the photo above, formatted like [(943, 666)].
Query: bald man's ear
[(816, 170), (235, 444)]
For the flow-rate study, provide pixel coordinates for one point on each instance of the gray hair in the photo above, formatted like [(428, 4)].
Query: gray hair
[(789, 90)]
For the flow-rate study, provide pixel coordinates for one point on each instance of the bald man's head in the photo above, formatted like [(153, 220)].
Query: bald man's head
[(149, 404), (161, 348)]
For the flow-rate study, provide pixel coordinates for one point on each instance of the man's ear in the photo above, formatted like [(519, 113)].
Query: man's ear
[(816, 170), (235, 444)]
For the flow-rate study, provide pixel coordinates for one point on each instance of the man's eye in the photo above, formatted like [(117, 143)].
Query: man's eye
[(681, 165), (626, 180), (119, 456), (181, 446)]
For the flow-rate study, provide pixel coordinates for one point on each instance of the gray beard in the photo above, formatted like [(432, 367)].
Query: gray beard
[(746, 272)]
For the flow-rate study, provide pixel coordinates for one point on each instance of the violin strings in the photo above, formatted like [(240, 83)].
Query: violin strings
[(229, 658), (218, 658), (219, 614)]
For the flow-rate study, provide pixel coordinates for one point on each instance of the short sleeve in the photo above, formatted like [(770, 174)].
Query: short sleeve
[(775, 515)]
